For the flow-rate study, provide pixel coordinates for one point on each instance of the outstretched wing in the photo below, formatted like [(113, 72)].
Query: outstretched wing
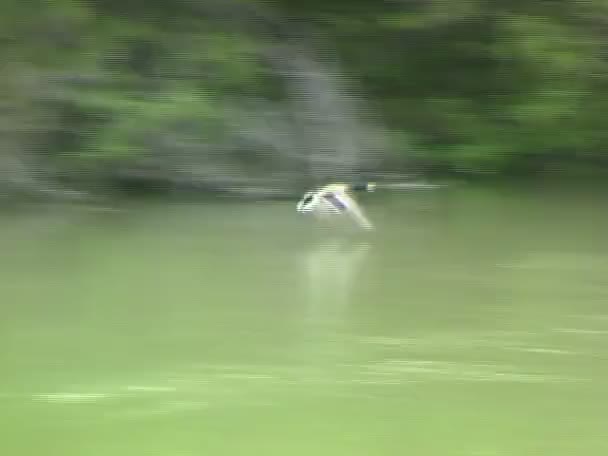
[(335, 201)]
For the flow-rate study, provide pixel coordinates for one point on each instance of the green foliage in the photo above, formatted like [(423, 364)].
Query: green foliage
[(462, 85)]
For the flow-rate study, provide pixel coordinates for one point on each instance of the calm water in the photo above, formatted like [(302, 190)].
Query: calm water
[(469, 323)]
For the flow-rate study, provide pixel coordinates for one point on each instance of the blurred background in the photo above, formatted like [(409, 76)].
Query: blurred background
[(160, 294)]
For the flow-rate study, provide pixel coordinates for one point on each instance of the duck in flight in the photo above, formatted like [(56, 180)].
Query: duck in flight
[(335, 200)]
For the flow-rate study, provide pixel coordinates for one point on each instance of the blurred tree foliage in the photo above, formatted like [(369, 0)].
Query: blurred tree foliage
[(190, 93)]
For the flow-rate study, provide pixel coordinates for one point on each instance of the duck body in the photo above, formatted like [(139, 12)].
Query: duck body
[(335, 200)]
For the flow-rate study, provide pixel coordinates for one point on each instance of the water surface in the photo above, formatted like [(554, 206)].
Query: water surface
[(473, 322)]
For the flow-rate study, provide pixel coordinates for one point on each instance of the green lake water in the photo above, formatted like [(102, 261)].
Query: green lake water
[(471, 322)]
